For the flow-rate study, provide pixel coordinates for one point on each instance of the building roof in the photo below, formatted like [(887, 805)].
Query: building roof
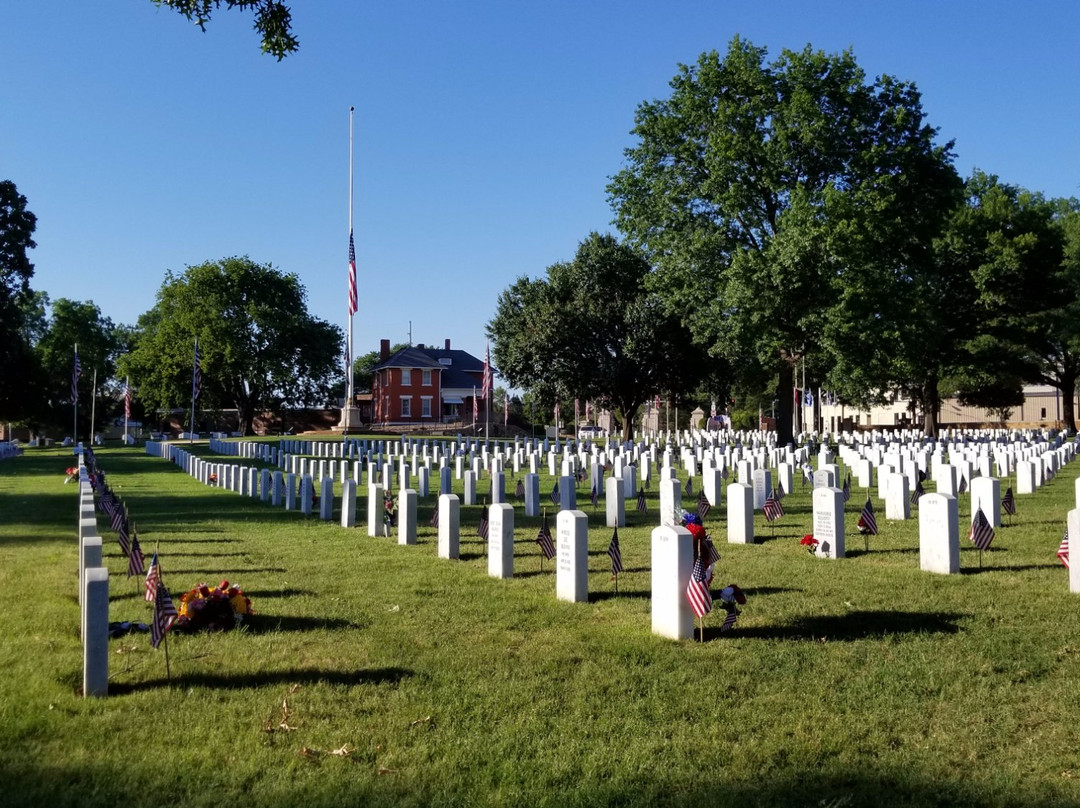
[(460, 369), (410, 358)]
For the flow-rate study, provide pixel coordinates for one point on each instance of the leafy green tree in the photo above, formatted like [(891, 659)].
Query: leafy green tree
[(592, 330), (260, 348), (777, 201), (273, 20), (19, 370), (71, 323)]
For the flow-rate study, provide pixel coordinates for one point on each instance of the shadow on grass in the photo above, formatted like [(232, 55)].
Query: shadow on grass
[(276, 593), (1009, 568), (859, 625), (222, 681), (758, 591), (854, 552), (220, 572), (628, 594), (264, 623)]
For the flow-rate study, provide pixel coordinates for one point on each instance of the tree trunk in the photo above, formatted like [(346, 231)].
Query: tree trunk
[(785, 405), (931, 406), (629, 415), (1068, 398)]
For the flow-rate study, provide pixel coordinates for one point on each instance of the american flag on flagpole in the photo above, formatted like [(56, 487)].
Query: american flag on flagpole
[(135, 556), (506, 409), (127, 399), (772, 507), (76, 372), (543, 538), (697, 590), (867, 521), (1008, 502), (153, 577), (485, 391), (703, 505), (982, 532), (165, 615), (1063, 549), (615, 553), (196, 381), (353, 304)]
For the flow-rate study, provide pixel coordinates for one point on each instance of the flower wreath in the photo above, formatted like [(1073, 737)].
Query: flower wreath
[(219, 609)]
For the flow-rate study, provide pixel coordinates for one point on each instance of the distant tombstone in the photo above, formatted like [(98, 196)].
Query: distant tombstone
[(423, 476), (1025, 478), (375, 509), (672, 563), (882, 473), (614, 504), (307, 494), (572, 556), (326, 499), (785, 477), (762, 482), (290, 492), (470, 488), (498, 487), (864, 473), (348, 504), (277, 486), (712, 483), (829, 522), (740, 514), (670, 502), (629, 482), (445, 483), (945, 480), (449, 525), (406, 519), (532, 494), (501, 540), (897, 497), (567, 493), (939, 545), (986, 494), (745, 470), (824, 478)]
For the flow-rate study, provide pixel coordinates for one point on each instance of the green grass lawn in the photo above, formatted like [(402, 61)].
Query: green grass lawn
[(855, 682)]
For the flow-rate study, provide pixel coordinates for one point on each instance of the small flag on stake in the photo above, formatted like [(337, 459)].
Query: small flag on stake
[(641, 506), (1063, 549), (703, 505), (165, 615), (615, 553), (982, 532), (543, 538), (867, 523), (1008, 502)]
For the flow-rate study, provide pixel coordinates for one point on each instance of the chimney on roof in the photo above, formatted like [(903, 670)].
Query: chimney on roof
[(448, 344), (420, 346), (384, 350)]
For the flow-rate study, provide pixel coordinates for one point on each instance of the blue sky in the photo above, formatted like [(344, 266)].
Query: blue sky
[(485, 132)]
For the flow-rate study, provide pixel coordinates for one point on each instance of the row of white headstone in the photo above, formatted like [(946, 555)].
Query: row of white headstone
[(93, 594)]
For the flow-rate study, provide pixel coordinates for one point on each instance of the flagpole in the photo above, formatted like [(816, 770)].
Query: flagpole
[(75, 391), (346, 418), (194, 373), (127, 398), (93, 405)]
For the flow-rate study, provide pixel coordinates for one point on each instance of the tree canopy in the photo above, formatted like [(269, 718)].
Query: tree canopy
[(260, 348), (780, 202), (273, 20), (592, 330), (17, 225)]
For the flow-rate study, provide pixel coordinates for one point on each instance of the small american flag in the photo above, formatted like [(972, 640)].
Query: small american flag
[(867, 521), (123, 538), (697, 590), (729, 620), (688, 489), (641, 506), (543, 538), (117, 516), (434, 521), (1063, 549), (724, 472), (595, 498), (135, 556), (847, 488), (917, 492), (963, 485), (520, 490), (982, 533), (779, 491), (482, 528), (772, 507), (709, 553), (703, 505), (153, 577), (165, 615), (1008, 502), (615, 553), (555, 494)]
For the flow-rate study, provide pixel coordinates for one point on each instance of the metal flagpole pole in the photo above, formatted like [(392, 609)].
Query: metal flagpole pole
[(127, 406), (75, 398), (93, 405), (194, 379), (346, 418)]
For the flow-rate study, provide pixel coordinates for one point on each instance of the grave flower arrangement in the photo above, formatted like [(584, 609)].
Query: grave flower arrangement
[(72, 473), (220, 608), (810, 543), (212, 478)]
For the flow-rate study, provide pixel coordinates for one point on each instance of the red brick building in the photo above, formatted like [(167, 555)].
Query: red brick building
[(425, 385)]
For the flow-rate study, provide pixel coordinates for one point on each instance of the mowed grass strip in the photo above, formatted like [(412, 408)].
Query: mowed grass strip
[(855, 682)]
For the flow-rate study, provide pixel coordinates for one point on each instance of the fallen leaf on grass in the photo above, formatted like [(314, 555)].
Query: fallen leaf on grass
[(425, 720), (383, 770), (344, 751)]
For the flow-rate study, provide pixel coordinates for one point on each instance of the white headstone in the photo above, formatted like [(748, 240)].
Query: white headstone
[(348, 504), (501, 540), (449, 525), (375, 510), (897, 496), (986, 494), (95, 609), (406, 518), (740, 514), (762, 480), (614, 504), (572, 555), (829, 522), (939, 540), (672, 563), (670, 502)]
